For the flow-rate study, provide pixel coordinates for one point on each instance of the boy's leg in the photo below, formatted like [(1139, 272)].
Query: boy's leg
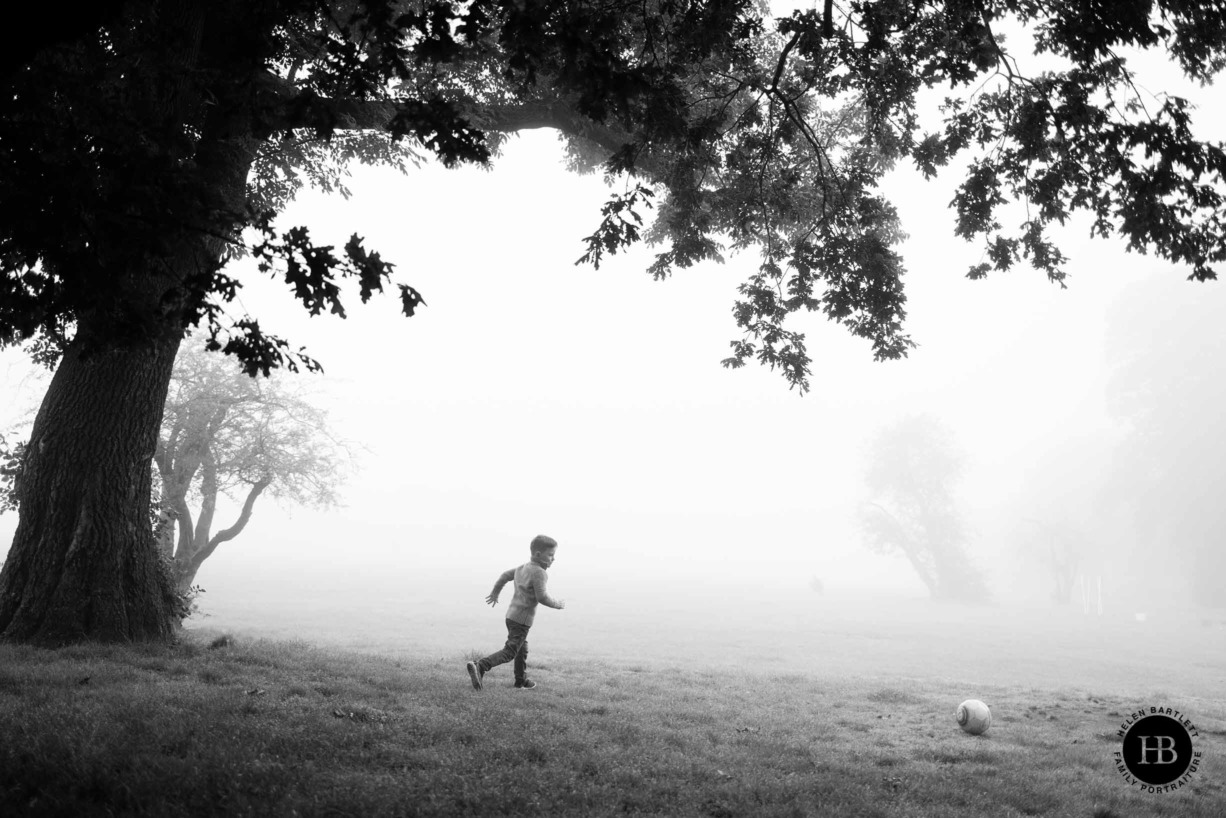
[(517, 634), (521, 662)]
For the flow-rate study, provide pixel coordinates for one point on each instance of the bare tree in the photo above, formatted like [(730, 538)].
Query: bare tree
[(912, 469), (225, 434)]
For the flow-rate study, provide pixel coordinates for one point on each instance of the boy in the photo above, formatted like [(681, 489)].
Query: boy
[(530, 579)]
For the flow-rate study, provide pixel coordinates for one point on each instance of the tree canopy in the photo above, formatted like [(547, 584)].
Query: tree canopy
[(734, 129)]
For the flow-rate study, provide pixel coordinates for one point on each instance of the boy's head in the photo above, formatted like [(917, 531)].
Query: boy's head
[(543, 549)]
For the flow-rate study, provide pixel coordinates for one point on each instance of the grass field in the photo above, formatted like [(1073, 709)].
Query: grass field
[(844, 714)]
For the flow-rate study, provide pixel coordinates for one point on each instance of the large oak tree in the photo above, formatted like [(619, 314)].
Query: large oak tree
[(138, 157)]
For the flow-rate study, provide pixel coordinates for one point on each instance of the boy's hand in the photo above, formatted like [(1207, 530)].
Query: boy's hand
[(561, 604), (492, 599)]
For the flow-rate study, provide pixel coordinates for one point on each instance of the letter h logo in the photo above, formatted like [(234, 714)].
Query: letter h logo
[(1165, 746)]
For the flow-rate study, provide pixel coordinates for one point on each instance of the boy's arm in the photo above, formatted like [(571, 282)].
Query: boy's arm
[(539, 580), (506, 577)]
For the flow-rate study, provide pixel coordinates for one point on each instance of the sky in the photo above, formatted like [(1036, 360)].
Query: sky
[(535, 396)]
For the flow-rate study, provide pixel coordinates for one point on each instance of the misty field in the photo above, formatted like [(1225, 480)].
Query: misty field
[(846, 713)]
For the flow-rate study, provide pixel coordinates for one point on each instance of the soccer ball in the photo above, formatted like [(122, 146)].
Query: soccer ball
[(974, 716)]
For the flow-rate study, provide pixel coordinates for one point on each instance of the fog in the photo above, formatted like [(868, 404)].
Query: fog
[(532, 396)]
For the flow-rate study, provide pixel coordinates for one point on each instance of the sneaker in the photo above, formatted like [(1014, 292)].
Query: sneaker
[(526, 684), (475, 673)]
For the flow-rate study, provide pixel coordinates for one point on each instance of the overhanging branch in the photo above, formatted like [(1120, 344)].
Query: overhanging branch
[(298, 110)]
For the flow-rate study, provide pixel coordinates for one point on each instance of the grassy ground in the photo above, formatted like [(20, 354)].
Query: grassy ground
[(284, 728)]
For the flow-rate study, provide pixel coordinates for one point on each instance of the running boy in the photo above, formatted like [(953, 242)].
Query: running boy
[(530, 579)]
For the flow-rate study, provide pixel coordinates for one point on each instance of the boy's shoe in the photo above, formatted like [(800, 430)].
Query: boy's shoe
[(526, 684), (475, 674)]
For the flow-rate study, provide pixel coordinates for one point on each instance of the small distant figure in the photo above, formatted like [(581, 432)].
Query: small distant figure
[(530, 582)]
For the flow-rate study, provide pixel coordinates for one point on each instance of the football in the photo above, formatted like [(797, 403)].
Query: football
[(974, 716)]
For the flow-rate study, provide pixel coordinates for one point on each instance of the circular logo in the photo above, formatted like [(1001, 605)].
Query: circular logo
[(1157, 752)]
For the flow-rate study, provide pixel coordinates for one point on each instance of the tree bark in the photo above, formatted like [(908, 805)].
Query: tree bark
[(83, 564)]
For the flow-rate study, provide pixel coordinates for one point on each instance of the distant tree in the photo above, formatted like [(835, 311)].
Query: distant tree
[(913, 468), (225, 434), (145, 146), (1166, 351), (1057, 547)]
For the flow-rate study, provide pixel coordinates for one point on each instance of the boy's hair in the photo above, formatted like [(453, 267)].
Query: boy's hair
[(542, 543)]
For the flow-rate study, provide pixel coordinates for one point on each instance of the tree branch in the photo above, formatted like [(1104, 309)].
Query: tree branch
[(161, 457), (905, 543), (183, 517), (298, 110), (208, 494), (233, 531)]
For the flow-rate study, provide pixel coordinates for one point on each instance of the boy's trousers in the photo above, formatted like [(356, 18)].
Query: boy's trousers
[(516, 648)]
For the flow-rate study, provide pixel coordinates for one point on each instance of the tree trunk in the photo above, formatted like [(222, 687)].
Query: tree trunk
[(84, 564), (188, 565)]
